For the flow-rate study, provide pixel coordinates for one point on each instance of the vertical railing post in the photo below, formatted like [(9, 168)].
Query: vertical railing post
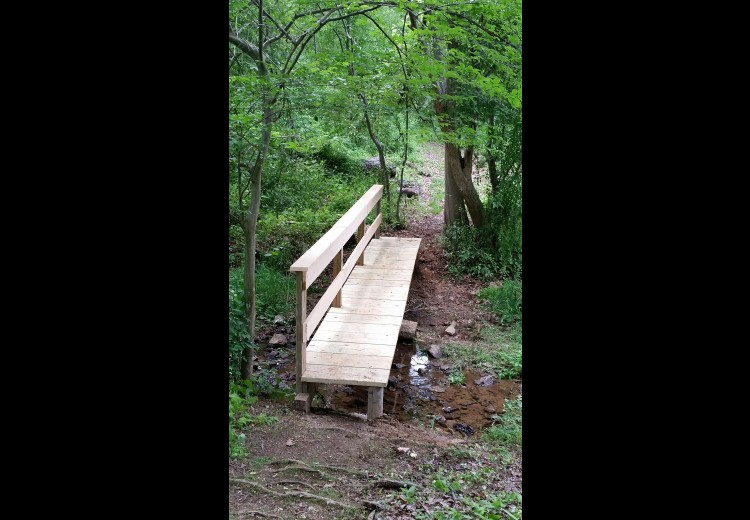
[(300, 317), (377, 212), (360, 234), (338, 261)]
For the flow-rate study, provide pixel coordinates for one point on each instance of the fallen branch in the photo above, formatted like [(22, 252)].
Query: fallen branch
[(393, 484), (298, 494)]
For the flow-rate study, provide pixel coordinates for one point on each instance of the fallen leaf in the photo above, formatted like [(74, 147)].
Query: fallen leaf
[(290, 442), (403, 450), (413, 455)]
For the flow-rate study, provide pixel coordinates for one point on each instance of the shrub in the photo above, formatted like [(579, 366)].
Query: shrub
[(505, 300)]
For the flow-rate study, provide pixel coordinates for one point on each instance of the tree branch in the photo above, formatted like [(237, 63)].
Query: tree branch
[(244, 45)]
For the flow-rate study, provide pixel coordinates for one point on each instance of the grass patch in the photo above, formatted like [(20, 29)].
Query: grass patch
[(506, 429), (275, 293), (498, 351), (505, 300), (437, 194)]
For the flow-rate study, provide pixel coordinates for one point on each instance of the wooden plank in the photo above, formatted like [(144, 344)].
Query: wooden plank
[(356, 337), (389, 263), (346, 375), (378, 282), (362, 328), (396, 241), (375, 307), (381, 274), (374, 403), (342, 347), (339, 316), (315, 259), (348, 360), (328, 297), (370, 291)]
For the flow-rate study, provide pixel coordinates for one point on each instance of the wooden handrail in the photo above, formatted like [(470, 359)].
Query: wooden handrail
[(334, 289), (317, 258), (329, 248)]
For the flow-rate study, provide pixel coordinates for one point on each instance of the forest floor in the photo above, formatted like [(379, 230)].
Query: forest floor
[(429, 456)]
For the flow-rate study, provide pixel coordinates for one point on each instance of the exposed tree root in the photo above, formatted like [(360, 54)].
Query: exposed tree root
[(280, 482), (299, 494), (377, 506), (306, 468), (298, 464), (286, 461), (261, 513)]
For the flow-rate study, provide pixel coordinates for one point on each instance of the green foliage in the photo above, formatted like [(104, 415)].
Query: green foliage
[(470, 252), (499, 351), (408, 495), (456, 377), (505, 217), (506, 429), (239, 339), (242, 395), (301, 202), (505, 300), (336, 160), (236, 444), (275, 293)]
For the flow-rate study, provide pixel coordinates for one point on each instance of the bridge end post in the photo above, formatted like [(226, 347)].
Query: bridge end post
[(299, 325), (374, 402)]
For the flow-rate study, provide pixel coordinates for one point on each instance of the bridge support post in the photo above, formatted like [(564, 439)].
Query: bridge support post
[(374, 402)]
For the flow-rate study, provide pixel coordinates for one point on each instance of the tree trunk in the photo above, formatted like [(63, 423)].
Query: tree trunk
[(490, 151), (250, 229), (453, 208), (383, 167)]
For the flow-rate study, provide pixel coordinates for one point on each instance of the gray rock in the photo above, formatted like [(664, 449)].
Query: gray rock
[(435, 351), (487, 380), (451, 330), (279, 320), (278, 339), (374, 163)]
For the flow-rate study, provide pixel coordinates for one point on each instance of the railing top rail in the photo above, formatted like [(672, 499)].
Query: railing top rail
[(315, 259)]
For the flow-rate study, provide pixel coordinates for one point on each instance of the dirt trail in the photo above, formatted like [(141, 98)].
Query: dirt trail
[(334, 454)]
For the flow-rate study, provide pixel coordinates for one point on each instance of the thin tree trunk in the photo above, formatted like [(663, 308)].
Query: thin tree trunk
[(490, 151), (386, 176), (251, 218)]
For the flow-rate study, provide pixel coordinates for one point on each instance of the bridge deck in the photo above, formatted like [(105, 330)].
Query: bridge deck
[(355, 343)]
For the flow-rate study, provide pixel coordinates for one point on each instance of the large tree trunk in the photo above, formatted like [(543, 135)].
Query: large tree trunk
[(459, 188), (459, 169), (453, 208)]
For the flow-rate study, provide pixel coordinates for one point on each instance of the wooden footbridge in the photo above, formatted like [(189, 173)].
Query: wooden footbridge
[(350, 336)]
